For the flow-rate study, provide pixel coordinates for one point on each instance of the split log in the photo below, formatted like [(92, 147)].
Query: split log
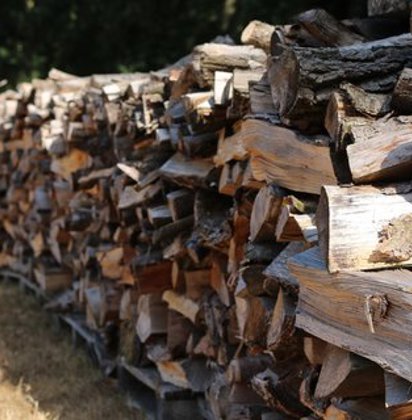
[(315, 350), (302, 79), (281, 156), (346, 375), (382, 151), (353, 235), (189, 173), (266, 208), (371, 318)]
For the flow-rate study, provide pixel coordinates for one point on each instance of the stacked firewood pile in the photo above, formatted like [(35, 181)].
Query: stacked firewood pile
[(238, 221)]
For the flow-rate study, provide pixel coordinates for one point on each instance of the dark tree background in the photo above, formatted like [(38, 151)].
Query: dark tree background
[(100, 36)]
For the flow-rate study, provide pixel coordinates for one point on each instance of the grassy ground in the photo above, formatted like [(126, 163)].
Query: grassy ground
[(41, 376)]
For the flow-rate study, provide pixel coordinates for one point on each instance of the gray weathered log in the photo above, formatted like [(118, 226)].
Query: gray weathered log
[(302, 79)]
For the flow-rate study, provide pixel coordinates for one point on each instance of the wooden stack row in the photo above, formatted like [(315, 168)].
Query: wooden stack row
[(238, 222)]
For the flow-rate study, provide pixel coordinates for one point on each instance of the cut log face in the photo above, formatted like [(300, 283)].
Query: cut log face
[(353, 235), (371, 318)]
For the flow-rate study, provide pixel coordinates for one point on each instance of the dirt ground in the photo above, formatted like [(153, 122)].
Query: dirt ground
[(42, 376)]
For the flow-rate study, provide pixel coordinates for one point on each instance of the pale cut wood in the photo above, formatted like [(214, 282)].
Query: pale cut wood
[(364, 299), (381, 151), (258, 33), (182, 304), (208, 58), (223, 87), (365, 227), (281, 156), (282, 323)]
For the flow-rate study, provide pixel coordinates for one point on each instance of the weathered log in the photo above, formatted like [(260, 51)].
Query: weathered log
[(365, 227), (302, 79)]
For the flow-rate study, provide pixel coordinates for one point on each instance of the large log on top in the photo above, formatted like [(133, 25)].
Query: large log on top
[(368, 313), (366, 227), (302, 79)]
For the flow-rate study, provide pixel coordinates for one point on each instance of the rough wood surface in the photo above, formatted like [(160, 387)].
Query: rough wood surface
[(302, 79), (368, 301), (281, 156), (365, 227), (382, 150)]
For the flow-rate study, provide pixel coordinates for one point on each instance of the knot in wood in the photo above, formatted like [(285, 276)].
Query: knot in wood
[(376, 308)]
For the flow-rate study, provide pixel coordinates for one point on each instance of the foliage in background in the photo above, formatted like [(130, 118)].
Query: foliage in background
[(103, 36)]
